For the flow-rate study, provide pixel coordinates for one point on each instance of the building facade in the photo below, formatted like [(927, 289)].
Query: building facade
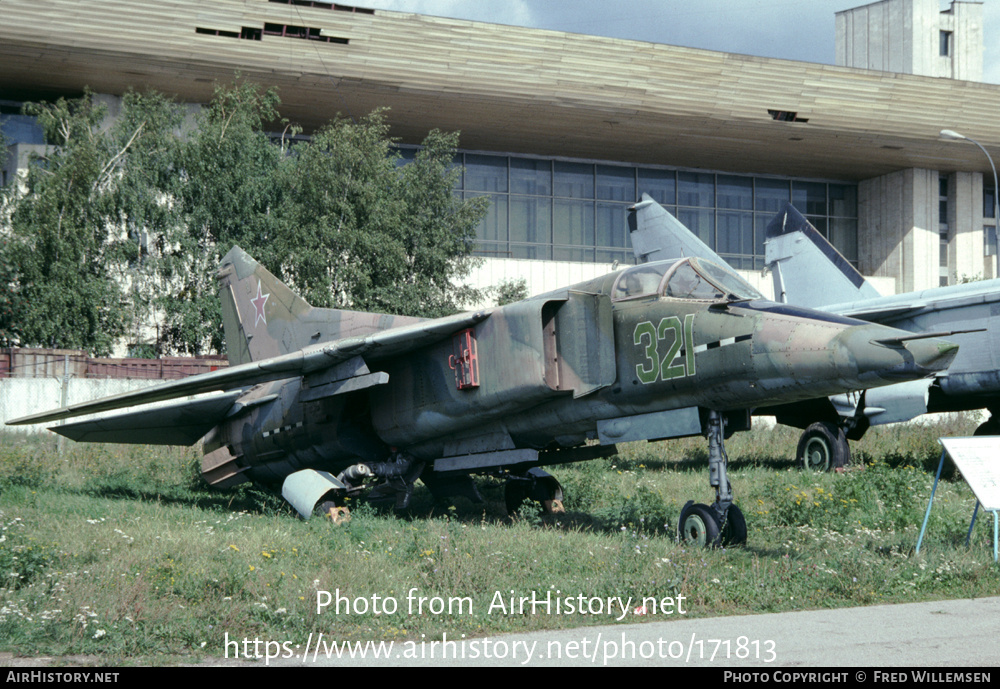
[(564, 131)]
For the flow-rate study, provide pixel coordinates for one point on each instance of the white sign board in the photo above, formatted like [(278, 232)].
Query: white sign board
[(978, 458)]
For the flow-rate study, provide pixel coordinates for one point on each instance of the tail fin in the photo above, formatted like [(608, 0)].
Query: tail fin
[(657, 235), (806, 269), (263, 318)]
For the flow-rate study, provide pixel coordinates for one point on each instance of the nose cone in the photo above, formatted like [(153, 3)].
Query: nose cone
[(884, 354)]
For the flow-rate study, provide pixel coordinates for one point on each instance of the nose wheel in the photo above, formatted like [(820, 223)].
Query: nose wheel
[(721, 524), (703, 526)]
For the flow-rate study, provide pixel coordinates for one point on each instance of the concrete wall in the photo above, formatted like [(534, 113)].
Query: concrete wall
[(904, 36), (878, 36), (898, 228), (25, 396), (966, 247)]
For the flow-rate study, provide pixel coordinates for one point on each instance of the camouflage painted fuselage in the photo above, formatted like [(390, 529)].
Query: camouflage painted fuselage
[(597, 361)]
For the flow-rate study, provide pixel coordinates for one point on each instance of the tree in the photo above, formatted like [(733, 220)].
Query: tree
[(229, 187), (363, 232), (64, 296), (79, 219), (122, 224), (138, 206), (9, 332)]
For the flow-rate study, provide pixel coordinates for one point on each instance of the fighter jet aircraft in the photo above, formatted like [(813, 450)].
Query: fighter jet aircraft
[(331, 404), (808, 271)]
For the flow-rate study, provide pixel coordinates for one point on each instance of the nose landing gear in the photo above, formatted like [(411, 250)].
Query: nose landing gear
[(722, 523)]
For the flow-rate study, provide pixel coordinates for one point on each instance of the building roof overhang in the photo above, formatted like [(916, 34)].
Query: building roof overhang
[(511, 89)]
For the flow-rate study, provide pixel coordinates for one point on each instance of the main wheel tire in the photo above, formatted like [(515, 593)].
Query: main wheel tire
[(823, 447), (734, 531), (699, 526)]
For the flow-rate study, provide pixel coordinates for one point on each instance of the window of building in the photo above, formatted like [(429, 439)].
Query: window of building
[(990, 217), (529, 176), (568, 210), (945, 41), (943, 229), (18, 128), (696, 189), (574, 180), (616, 183)]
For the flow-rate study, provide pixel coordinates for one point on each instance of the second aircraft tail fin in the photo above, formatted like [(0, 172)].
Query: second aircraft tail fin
[(807, 270)]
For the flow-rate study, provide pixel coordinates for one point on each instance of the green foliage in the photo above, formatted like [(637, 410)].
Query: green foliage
[(509, 291), (227, 191), (122, 225), (363, 232), (65, 296), (9, 330)]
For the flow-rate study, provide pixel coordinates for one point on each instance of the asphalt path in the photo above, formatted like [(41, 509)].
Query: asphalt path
[(953, 634)]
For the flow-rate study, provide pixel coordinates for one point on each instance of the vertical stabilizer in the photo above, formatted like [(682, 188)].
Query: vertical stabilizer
[(263, 318), (806, 269), (659, 236)]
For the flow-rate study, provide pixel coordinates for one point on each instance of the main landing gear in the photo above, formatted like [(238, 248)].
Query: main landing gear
[(823, 447), (722, 523)]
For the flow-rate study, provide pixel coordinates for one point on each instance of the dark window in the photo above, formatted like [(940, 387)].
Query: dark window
[(945, 43), (809, 197), (735, 192), (577, 211), (659, 184), (531, 220), (696, 189), (612, 228), (771, 195), (616, 183), (485, 173), (573, 222), (293, 31), (529, 176), (215, 32), (574, 180), (786, 116)]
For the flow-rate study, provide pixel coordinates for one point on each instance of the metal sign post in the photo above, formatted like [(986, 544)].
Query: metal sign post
[(975, 458)]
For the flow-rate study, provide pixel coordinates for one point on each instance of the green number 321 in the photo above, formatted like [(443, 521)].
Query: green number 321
[(663, 368)]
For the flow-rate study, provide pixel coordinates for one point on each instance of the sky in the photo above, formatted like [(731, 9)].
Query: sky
[(791, 29)]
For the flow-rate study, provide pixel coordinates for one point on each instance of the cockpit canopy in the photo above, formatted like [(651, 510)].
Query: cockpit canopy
[(684, 278)]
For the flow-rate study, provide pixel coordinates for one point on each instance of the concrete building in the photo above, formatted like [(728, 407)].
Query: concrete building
[(564, 131)]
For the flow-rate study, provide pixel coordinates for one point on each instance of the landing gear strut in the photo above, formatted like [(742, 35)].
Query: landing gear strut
[(536, 485), (722, 523)]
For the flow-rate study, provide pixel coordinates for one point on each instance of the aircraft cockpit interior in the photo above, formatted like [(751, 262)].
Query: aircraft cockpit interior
[(685, 278)]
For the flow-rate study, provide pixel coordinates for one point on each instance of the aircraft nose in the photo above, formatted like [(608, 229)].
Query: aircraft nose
[(888, 354)]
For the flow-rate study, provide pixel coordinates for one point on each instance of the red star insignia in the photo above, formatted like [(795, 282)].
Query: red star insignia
[(258, 305)]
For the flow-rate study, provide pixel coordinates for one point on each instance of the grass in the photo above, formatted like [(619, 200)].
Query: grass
[(119, 553)]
